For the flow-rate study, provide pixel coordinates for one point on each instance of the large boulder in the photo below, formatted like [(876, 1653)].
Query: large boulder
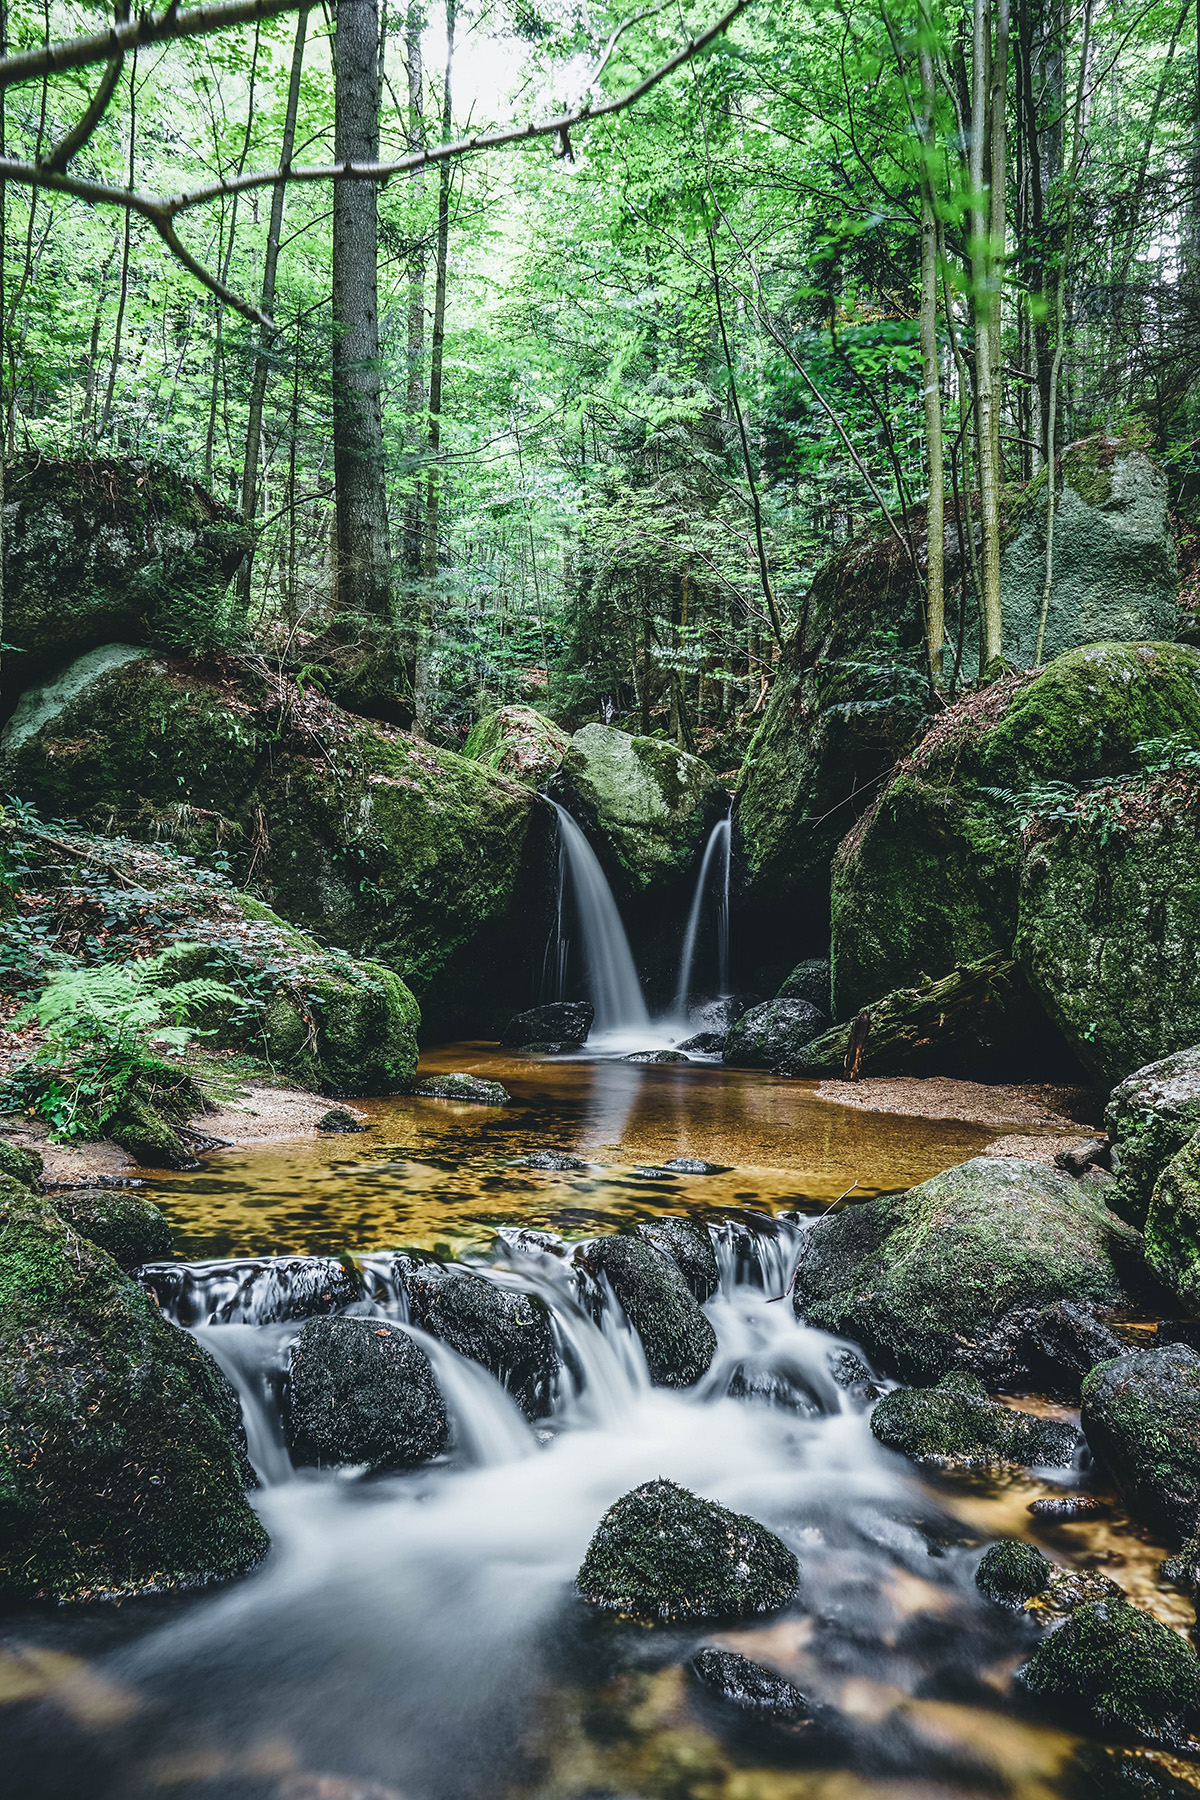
[(518, 742), (955, 1425), (563, 1022), (928, 879), (662, 1555), (122, 1457), (1115, 573), (677, 1337), (362, 1391), (505, 1329), (1173, 1226), (1141, 1414), (1109, 936), (945, 1276), (1150, 1116), (128, 1226), (112, 548), (647, 806), (1117, 1665), (773, 1033), (379, 843)]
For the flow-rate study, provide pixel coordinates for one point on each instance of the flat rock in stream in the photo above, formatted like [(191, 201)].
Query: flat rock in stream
[(1119, 1667), (678, 1340), (461, 1086), (362, 1391), (662, 1554), (955, 1425), (504, 1329)]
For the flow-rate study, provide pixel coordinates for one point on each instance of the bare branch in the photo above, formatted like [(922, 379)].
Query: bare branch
[(102, 46)]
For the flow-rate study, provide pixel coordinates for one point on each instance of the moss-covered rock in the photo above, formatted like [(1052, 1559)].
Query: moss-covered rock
[(122, 1464), (518, 742), (662, 1554), (1150, 1117), (951, 1426), (107, 548), (648, 807), (20, 1163), (928, 879), (1011, 1572), (362, 1391), (1125, 1671), (809, 980), (1115, 573), (688, 1243), (940, 1277), (1141, 1414), (773, 1033), (504, 1329), (1173, 1226), (678, 1339), (474, 1090), (129, 1227)]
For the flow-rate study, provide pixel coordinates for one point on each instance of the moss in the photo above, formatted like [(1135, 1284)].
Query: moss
[(1141, 1414), (21, 1164), (518, 742), (648, 806), (123, 1471), (662, 1554), (1122, 1669), (1150, 1117), (362, 1392), (677, 1337), (347, 1027), (1011, 1572), (1173, 1226), (767, 1035), (471, 1089), (131, 1229), (947, 1427)]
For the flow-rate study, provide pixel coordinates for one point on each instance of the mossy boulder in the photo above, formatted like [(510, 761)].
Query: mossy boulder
[(773, 1033), (129, 1227), (1109, 936), (647, 806), (122, 1458), (1150, 1116), (518, 742), (689, 1245), (1141, 1414), (1173, 1226), (362, 1391), (472, 1090), (1115, 572), (943, 1277), (107, 548), (677, 1337), (1119, 1667), (663, 1555), (928, 879), (505, 1329), (1011, 1572), (955, 1426), (378, 843), (21, 1164), (809, 980)]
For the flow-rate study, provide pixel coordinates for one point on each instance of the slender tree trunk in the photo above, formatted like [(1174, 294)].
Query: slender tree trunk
[(364, 558), (106, 419), (935, 555), (987, 163), (429, 558), (415, 397)]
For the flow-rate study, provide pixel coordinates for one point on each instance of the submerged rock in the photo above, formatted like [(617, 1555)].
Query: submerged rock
[(519, 742), (772, 1033), (1011, 1572), (1124, 1670), (678, 1340), (1065, 1509), (1150, 1117), (361, 1391), (689, 1246), (763, 1698), (956, 1425), (122, 1457), (941, 1277), (693, 1165), (1141, 1414), (565, 1022), (504, 1329), (461, 1086), (559, 1160), (131, 1229), (662, 1554)]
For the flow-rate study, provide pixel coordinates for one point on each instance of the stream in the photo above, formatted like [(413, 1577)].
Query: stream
[(417, 1637)]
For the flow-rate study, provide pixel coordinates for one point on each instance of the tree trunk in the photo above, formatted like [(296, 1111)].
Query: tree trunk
[(364, 557), (429, 558), (415, 398), (935, 555), (987, 157)]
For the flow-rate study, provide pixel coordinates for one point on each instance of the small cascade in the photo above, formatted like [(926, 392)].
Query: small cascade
[(262, 1290), (558, 945), (718, 855), (613, 983)]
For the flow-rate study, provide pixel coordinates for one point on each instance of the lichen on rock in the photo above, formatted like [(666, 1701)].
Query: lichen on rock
[(519, 742)]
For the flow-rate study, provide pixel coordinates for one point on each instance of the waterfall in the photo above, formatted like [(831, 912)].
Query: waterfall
[(558, 946), (717, 850), (612, 979)]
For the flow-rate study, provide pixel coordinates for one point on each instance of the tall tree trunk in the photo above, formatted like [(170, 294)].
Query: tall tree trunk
[(429, 558), (987, 164), (106, 419), (364, 558), (415, 397), (935, 555)]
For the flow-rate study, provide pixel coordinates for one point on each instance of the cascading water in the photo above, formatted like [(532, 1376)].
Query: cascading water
[(717, 853), (612, 979)]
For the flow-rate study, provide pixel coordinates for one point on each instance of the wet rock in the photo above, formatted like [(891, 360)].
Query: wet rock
[(690, 1248), (21, 1164), (692, 1165), (1010, 1573), (1173, 1226), (1150, 1117), (656, 1056), (521, 1240), (767, 1382), (809, 980), (764, 1698), (564, 1022), (932, 1279), (1069, 1589), (337, 1119), (461, 1086), (131, 1229), (772, 1033), (123, 1456), (1183, 1569), (1079, 1158), (705, 1043), (678, 1340), (952, 1426), (260, 1290), (1141, 1414), (1066, 1509), (1109, 1772), (361, 1391), (550, 1047), (504, 1329), (1071, 1341), (558, 1160), (1122, 1669), (518, 742), (663, 1554), (851, 1373)]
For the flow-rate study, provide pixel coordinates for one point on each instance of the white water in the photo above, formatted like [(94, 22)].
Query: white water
[(612, 979), (716, 852)]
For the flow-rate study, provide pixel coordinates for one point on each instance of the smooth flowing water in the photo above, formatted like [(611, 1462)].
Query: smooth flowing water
[(717, 857), (417, 1637), (612, 979)]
